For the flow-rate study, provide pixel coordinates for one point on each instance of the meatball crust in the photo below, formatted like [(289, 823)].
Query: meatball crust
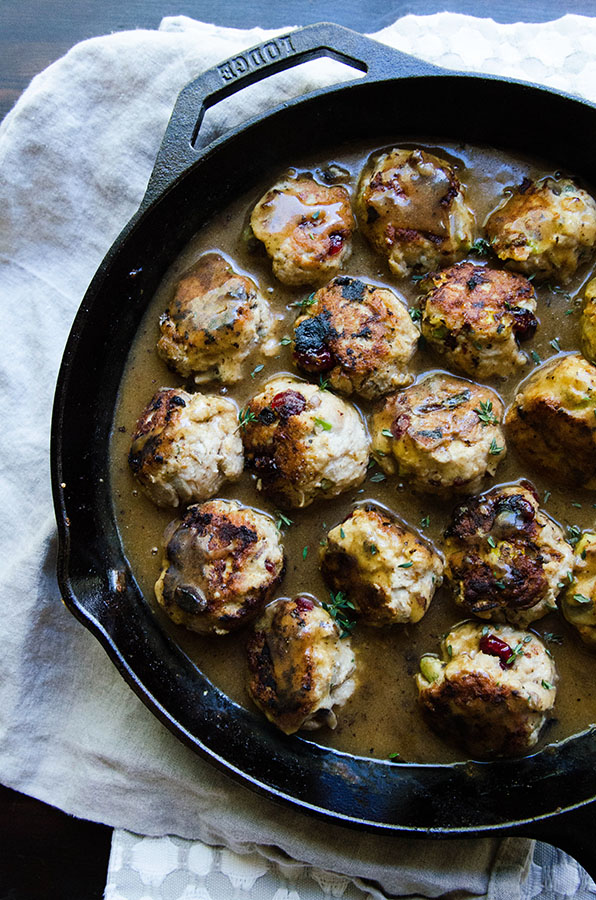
[(579, 598), (474, 317), (185, 446), (588, 322), (386, 570), (214, 320), (222, 563), (552, 423), (299, 668), (361, 336), (411, 207), (306, 228), (303, 442), (545, 228), (491, 691), (505, 559), (443, 434)]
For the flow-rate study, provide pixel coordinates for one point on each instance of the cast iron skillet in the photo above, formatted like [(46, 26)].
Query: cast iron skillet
[(549, 795)]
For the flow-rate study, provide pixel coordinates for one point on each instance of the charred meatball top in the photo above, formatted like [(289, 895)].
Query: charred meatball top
[(505, 559), (443, 434), (214, 320), (490, 691), (303, 442), (412, 208), (359, 335), (222, 563), (300, 670), (185, 446), (474, 317), (306, 228), (385, 569), (552, 423), (545, 228)]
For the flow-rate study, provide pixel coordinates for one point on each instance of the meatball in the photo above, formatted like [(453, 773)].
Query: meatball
[(443, 434), (306, 228), (303, 442), (411, 207), (185, 446), (552, 421), (588, 322), (474, 317), (361, 336), (577, 601), (299, 668), (545, 228), (491, 691), (215, 319), (222, 563), (505, 559), (386, 570)]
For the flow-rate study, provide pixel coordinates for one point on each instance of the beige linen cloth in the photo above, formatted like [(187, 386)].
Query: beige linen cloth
[(75, 157)]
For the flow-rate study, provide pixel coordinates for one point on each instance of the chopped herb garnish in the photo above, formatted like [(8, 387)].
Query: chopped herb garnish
[(386, 432), (306, 301), (256, 370), (491, 541), (339, 608), (372, 549), (326, 426), (486, 414), (282, 521), (417, 278), (285, 341), (245, 417), (547, 496), (535, 357), (407, 565), (500, 585), (316, 215), (551, 638), (415, 314), (304, 552), (555, 344), (378, 476), (394, 755), (323, 383), (494, 448), (547, 685), (581, 598), (425, 522), (480, 247), (577, 505), (342, 533), (574, 533)]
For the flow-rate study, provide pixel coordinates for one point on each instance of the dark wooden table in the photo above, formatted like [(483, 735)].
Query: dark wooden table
[(47, 855)]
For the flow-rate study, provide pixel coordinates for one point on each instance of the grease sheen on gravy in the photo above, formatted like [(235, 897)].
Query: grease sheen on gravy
[(382, 717)]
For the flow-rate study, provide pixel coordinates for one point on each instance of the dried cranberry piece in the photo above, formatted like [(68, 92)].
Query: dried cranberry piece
[(303, 604), (336, 242), (265, 467), (399, 426), (525, 324), (270, 565), (288, 403), (494, 646), (319, 360)]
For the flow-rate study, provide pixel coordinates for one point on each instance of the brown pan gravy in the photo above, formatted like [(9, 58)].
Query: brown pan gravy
[(382, 718)]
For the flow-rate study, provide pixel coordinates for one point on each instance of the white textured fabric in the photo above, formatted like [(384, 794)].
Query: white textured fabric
[(75, 156)]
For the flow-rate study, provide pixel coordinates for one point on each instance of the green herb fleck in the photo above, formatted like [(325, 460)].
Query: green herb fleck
[(551, 638), (491, 541), (282, 521), (372, 548), (407, 565), (394, 755), (342, 533), (574, 533), (547, 685), (486, 414), (387, 433), (326, 426), (547, 496), (494, 448), (425, 522), (323, 383), (304, 552), (555, 345), (339, 608), (535, 357), (480, 247), (245, 417), (415, 314), (378, 476), (285, 341), (256, 370), (581, 598)]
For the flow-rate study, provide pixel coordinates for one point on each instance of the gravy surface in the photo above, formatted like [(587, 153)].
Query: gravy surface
[(382, 718)]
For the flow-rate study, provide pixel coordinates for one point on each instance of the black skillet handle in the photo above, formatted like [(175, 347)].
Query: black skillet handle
[(177, 152)]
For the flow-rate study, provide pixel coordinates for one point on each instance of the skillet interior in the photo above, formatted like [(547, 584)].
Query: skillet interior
[(96, 581)]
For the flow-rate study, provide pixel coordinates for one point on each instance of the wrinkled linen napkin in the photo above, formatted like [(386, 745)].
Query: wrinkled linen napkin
[(75, 157)]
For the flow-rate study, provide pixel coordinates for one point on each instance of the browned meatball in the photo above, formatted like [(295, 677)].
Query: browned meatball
[(545, 228), (552, 421), (491, 691), (222, 564), (386, 570), (360, 335), (300, 669), (303, 442), (185, 446), (411, 207), (474, 317), (306, 228), (506, 560), (443, 434), (214, 320)]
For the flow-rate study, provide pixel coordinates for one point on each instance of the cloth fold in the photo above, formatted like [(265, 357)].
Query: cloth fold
[(75, 157)]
